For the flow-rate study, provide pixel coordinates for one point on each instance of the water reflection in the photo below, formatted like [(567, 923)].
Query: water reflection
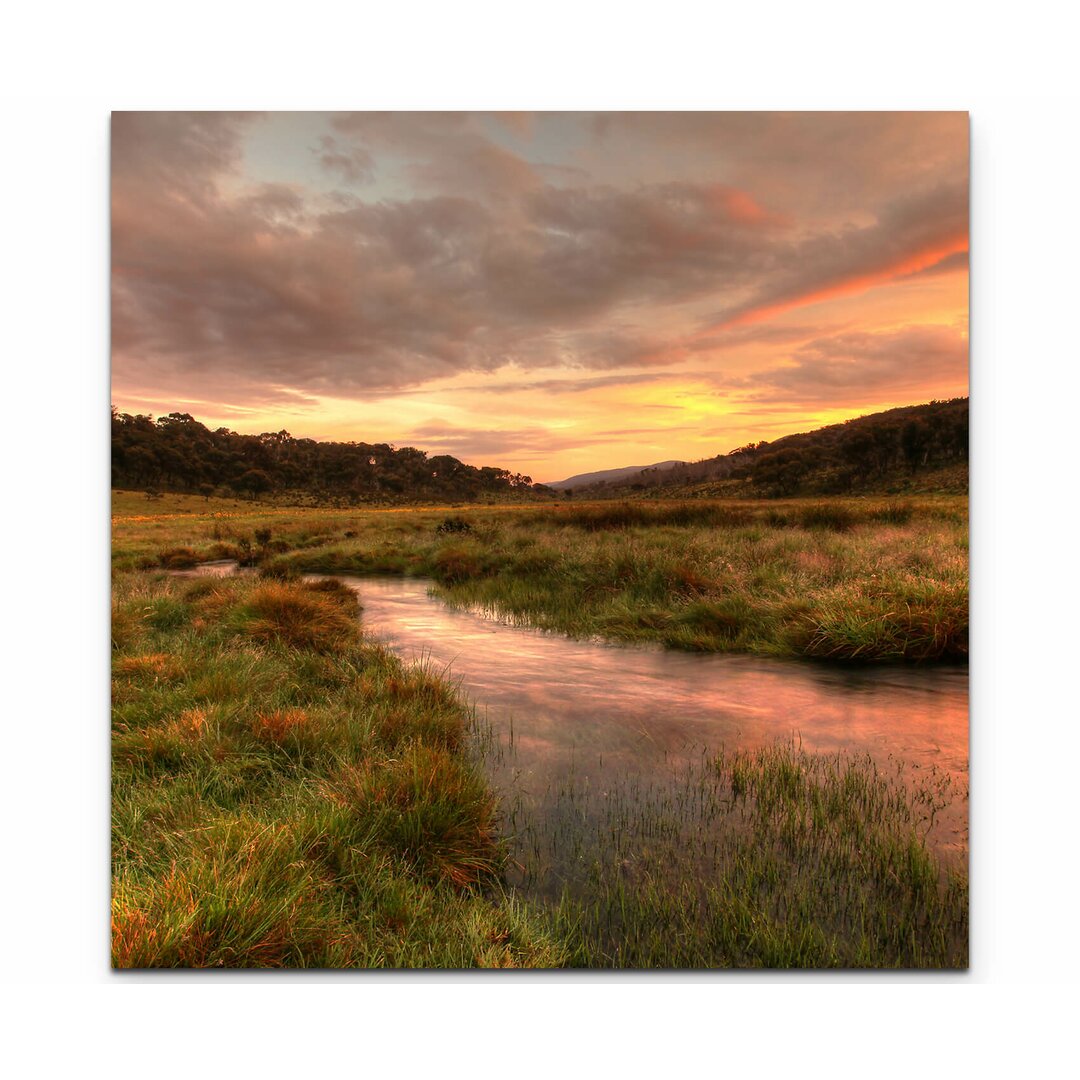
[(601, 713), (602, 710)]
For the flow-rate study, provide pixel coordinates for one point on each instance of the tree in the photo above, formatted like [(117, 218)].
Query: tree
[(254, 482), (915, 443), (781, 473)]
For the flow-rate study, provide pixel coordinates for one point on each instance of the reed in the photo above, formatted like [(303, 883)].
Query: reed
[(771, 858)]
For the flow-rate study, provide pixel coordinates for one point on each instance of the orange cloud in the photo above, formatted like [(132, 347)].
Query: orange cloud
[(619, 281), (911, 264)]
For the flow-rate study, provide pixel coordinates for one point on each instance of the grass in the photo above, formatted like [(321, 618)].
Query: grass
[(850, 580), (287, 794), (775, 858)]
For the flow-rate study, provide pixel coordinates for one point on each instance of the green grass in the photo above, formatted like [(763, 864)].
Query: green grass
[(832, 579), (777, 858), (287, 795)]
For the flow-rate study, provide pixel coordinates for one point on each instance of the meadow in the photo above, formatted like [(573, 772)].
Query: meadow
[(860, 579), (286, 793)]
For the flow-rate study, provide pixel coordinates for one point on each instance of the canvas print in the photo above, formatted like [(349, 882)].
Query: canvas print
[(540, 540)]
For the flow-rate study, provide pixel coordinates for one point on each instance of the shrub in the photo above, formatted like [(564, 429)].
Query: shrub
[(178, 559), (453, 525), (453, 565)]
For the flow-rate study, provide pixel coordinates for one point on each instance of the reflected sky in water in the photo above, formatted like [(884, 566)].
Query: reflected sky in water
[(602, 710)]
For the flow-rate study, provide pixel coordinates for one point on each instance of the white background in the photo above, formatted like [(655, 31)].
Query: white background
[(65, 67)]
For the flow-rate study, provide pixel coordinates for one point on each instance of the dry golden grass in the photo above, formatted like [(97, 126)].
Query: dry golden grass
[(155, 665), (278, 724), (296, 617)]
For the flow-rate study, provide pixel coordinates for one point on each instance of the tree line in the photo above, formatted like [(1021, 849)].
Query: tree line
[(176, 453), (864, 454)]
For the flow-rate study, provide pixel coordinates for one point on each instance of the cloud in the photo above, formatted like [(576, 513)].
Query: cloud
[(817, 165), (446, 438), (473, 257), (913, 232), (956, 262), (578, 385), (353, 164), (438, 437), (869, 366), (394, 293), (179, 153), (443, 153)]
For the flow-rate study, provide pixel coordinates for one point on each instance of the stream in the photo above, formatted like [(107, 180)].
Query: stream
[(592, 716), (602, 712)]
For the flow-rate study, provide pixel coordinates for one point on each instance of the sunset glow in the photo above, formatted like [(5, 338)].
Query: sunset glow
[(549, 293)]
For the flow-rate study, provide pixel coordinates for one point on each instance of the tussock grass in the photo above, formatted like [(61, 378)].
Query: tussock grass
[(605, 517), (837, 517), (178, 559), (299, 617), (429, 806), (287, 795), (851, 580), (905, 624)]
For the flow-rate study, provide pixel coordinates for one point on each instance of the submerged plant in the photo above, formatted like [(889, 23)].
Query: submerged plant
[(768, 858)]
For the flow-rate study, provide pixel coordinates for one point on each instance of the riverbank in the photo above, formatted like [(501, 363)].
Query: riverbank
[(833, 579), (287, 794)]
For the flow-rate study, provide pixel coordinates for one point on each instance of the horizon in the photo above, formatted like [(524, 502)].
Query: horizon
[(557, 480), (554, 294)]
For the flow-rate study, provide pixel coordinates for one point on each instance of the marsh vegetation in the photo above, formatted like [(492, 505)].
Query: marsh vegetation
[(768, 858), (853, 580), (288, 793)]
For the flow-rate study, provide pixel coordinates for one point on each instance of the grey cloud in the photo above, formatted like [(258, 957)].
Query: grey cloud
[(445, 153), (244, 288), (176, 151), (894, 362), (353, 164), (819, 163)]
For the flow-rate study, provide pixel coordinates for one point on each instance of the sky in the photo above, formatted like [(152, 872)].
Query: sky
[(549, 293)]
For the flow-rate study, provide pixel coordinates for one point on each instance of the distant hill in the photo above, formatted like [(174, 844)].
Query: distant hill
[(915, 447), (627, 474)]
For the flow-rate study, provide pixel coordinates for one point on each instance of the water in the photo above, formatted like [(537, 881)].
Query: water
[(589, 717), (601, 712)]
